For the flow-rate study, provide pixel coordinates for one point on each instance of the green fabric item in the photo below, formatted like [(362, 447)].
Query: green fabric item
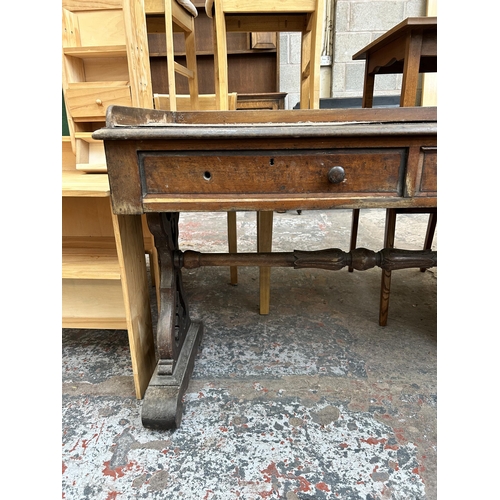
[(65, 127)]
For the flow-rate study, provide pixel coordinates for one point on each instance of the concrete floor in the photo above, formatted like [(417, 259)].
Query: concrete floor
[(314, 400)]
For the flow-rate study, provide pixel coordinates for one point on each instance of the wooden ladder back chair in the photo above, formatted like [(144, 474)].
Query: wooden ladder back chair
[(303, 16), (176, 16)]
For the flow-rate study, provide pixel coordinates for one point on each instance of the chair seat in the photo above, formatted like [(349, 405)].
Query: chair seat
[(258, 7)]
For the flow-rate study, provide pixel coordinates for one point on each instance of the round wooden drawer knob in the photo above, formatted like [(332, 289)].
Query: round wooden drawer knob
[(98, 102), (336, 175)]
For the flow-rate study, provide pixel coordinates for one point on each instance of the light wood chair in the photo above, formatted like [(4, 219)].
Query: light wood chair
[(176, 16), (303, 16)]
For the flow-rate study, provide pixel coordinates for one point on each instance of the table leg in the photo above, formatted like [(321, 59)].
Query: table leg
[(177, 336), (411, 70), (354, 232), (385, 287), (232, 240), (369, 86), (429, 236), (264, 244)]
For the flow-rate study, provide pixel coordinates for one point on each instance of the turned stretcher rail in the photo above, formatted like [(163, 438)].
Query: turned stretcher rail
[(332, 259)]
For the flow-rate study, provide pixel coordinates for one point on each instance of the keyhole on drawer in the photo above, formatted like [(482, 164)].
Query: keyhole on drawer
[(271, 162), (207, 175)]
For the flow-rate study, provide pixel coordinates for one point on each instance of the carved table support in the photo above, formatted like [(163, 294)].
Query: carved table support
[(177, 336), (332, 259)]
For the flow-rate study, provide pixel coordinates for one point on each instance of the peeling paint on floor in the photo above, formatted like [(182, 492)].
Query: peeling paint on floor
[(314, 400), (232, 448)]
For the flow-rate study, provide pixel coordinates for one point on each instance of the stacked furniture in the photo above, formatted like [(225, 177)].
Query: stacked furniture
[(104, 274), (104, 271)]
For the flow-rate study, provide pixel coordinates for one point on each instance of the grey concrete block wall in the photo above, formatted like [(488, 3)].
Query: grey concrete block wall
[(355, 24), (290, 67)]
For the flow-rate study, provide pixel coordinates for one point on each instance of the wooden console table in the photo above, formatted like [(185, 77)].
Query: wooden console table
[(161, 163)]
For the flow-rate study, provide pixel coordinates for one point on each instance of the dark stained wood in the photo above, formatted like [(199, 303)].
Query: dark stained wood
[(177, 336), (176, 163), (409, 48), (162, 163), (374, 171), (428, 179), (385, 287), (333, 259), (122, 116)]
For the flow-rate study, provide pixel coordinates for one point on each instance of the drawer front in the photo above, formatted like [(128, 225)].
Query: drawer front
[(428, 180), (93, 101), (377, 171)]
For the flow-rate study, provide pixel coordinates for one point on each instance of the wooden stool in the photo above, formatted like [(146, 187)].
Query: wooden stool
[(303, 16), (410, 48)]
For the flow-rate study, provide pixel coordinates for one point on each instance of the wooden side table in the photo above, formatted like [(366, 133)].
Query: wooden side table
[(409, 48)]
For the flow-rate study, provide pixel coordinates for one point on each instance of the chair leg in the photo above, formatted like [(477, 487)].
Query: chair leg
[(354, 232), (190, 43), (264, 244), (429, 236), (232, 243), (385, 286), (220, 58), (169, 40), (305, 71)]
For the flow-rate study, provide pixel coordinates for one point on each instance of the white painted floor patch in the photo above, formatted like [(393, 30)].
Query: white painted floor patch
[(231, 448)]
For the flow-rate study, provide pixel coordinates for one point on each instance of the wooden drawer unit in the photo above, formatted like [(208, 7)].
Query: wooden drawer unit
[(89, 101), (339, 172)]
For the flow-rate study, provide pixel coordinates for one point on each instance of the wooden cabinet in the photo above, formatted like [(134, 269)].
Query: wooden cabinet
[(104, 273), (101, 44)]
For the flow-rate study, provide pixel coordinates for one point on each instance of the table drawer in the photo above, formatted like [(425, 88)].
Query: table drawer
[(428, 180), (378, 171)]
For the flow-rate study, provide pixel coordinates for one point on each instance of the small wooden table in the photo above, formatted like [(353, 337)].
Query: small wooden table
[(161, 163), (409, 48)]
